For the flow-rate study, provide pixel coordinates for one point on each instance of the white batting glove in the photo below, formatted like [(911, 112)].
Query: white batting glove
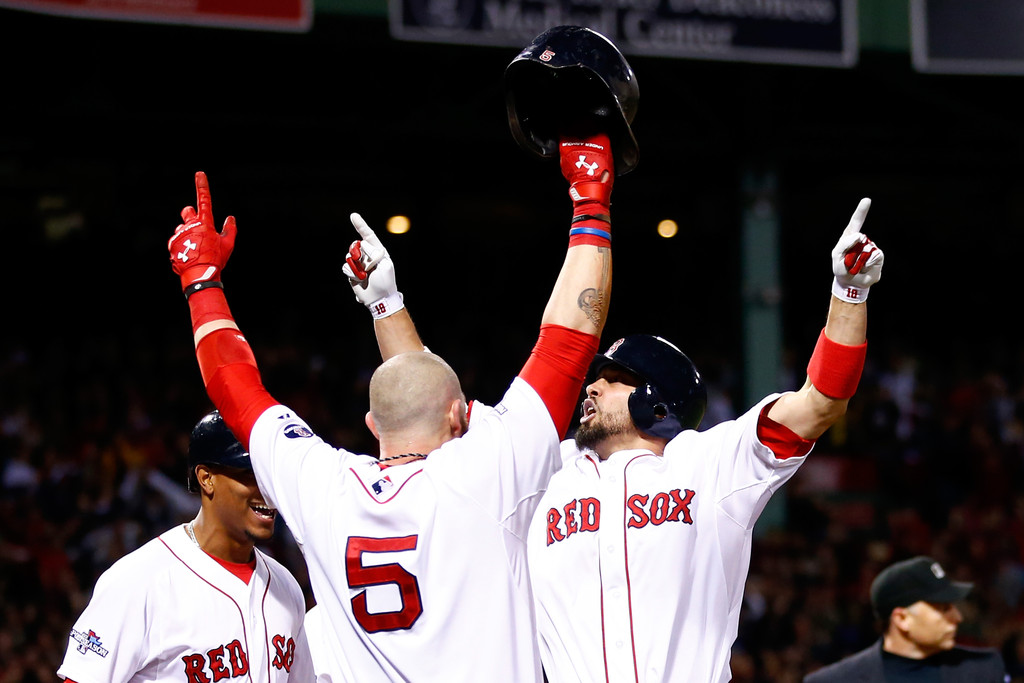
[(856, 261), (371, 273)]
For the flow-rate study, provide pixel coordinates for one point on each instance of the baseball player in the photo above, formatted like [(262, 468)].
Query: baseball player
[(417, 558), (652, 520), (199, 603)]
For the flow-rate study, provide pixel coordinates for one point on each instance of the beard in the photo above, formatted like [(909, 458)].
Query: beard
[(601, 427)]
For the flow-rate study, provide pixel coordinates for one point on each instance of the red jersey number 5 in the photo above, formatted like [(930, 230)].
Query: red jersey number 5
[(363, 576)]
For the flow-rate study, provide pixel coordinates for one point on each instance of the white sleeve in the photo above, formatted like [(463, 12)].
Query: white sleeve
[(568, 450), (505, 460), (107, 642), (748, 473), (294, 467)]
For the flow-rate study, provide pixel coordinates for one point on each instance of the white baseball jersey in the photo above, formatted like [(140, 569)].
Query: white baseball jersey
[(420, 569), (169, 612), (316, 636), (638, 562)]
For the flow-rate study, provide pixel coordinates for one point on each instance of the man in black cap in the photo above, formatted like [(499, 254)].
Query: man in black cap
[(915, 601)]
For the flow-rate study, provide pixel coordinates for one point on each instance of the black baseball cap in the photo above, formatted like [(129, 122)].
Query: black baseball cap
[(919, 578)]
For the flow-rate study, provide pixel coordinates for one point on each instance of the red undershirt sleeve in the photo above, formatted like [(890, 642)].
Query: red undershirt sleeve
[(784, 442), (556, 369)]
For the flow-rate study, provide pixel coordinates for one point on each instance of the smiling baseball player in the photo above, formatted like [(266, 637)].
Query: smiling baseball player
[(199, 603)]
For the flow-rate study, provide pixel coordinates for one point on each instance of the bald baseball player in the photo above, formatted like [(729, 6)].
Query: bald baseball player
[(200, 602), (416, 557)]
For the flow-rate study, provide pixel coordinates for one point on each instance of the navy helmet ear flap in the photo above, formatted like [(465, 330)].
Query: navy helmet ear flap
[(651, 414)]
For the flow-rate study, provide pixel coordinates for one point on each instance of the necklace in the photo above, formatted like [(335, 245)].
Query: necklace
[(190, 530), (403, 455)]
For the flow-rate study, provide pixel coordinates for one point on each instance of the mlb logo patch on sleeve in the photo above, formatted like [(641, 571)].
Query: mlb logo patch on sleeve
[(89, 642)]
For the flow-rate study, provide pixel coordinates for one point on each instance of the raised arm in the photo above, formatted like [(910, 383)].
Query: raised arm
[(577, 309), (580, 296), (198, 255), (371, 274), (838, 359)]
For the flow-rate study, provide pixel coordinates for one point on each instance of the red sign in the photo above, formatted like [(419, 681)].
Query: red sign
[(270, 15)]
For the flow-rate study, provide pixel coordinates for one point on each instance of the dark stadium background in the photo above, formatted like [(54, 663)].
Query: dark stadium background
[(102, 125)]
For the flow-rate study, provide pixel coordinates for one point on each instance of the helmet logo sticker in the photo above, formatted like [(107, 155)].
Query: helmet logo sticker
[(613, 347), (546, 56)]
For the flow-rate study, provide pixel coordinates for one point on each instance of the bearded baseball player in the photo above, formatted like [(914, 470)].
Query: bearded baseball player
[(417, 557), (200, 602), (653, 519)]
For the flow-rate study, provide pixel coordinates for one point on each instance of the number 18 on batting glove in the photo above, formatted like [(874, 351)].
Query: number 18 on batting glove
[(856, 260), (586, 162), (371, 272)]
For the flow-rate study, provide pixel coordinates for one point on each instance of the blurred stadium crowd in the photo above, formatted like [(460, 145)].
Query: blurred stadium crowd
[(929, 461)]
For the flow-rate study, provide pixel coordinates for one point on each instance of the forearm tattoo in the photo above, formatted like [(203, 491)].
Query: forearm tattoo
[(592, 300)]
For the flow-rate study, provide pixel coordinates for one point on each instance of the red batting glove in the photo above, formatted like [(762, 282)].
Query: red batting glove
[(587, 164), (198, 252)]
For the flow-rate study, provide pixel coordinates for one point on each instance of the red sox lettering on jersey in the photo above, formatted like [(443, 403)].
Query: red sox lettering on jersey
[(585, 514), (658, 549), (248, 631), (230, 661)]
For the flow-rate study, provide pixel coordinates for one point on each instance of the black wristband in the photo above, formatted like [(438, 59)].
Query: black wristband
[(592, 217), (197, 286)]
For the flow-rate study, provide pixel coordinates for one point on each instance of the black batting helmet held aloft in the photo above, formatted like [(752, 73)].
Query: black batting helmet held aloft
[(572, 75), (671, 398), (212, 443)]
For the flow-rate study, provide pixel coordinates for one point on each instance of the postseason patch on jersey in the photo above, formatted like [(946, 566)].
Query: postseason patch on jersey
[(89, 642)]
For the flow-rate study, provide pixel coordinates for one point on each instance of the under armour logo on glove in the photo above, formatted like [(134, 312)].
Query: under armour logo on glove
[(188, 245), (582, 163), (202, 258)]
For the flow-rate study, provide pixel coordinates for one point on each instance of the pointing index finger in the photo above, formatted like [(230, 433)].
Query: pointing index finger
[(857, 219), (361, 227), (203, 202)]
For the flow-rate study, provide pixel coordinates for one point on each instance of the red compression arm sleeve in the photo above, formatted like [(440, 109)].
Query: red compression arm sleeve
[(556, 369), (227, 364)]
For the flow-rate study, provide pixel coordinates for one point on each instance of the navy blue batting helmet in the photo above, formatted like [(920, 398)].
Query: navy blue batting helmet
[(672, 396), (212, 443), (572, 75)]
